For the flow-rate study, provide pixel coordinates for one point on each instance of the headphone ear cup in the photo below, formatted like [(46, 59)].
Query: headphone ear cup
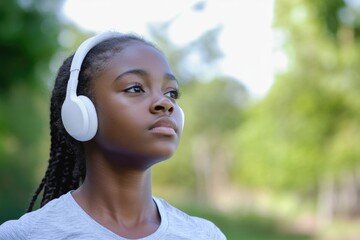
[(92, 118), (183, 118), (79, 118)]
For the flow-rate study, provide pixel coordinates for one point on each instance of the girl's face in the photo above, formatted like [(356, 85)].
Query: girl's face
[(135, 99)]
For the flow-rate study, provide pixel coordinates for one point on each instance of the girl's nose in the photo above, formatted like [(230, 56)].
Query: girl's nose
[(162, 105)]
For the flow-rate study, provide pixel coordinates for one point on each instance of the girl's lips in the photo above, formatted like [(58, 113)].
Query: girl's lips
[(163, 130), (165, 126)]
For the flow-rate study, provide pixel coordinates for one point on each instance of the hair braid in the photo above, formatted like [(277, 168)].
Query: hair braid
[(66, 167), (59, 178)]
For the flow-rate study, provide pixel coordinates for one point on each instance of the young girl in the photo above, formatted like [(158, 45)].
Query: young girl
[(98, 182)]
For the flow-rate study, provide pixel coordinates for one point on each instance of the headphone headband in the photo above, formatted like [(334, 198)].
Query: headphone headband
[(80, 55)]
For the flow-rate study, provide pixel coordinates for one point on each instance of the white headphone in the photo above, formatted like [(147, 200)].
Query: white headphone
[(78, 112)]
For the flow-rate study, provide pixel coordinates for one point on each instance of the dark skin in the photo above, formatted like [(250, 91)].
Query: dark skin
[(140, 124)]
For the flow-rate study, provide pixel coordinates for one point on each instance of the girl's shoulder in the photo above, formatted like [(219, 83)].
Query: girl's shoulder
[(35, 222)]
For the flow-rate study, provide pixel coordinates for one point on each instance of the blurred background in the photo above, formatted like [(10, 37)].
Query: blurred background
[(270, 89)]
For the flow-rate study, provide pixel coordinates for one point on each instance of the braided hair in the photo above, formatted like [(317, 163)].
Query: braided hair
[(66, 168)]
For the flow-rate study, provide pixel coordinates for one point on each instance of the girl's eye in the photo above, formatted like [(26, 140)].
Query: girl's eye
[(134, 89), (175, 94)]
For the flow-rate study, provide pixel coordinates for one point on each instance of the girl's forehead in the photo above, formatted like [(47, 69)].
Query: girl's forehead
[(140, 53), (139, 48)]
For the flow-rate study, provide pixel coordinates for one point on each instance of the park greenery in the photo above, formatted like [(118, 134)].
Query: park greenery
[(255, 167)]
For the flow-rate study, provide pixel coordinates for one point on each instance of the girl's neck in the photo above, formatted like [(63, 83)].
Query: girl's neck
[(118, 198), (127, 190)]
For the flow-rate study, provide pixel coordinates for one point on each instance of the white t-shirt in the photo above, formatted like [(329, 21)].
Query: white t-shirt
[(64, 219)]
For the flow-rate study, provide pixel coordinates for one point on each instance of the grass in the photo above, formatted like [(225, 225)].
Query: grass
[(245, 226)]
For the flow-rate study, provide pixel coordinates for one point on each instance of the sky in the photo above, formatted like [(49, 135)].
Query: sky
[(246, 38)]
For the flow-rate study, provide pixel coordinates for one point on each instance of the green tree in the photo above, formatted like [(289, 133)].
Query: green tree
[(303, 136), (28, 41)]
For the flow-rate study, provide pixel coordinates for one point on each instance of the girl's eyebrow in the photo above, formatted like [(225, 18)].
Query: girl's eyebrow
[(138, 72), (170, 76), (143, 73)]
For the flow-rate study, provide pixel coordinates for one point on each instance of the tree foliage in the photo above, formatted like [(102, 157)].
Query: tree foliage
[(307, 128), (29, 31), (28, 41)]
